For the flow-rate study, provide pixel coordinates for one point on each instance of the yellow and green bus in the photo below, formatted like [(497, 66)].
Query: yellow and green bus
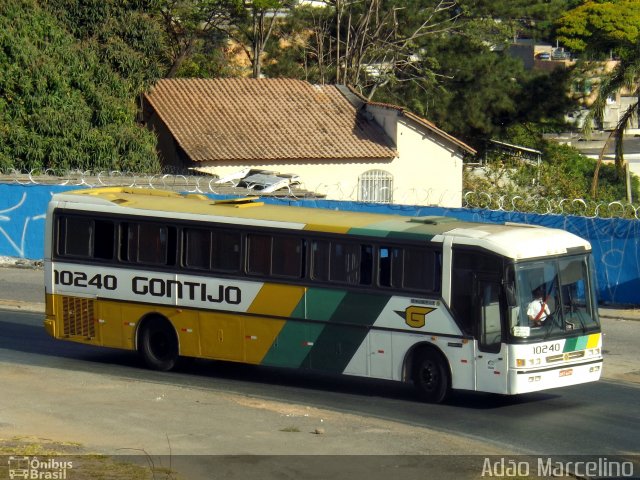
[(435, 301)]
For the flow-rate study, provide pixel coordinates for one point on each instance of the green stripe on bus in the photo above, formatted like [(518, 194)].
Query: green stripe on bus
[(410, 234), (293, 344), (570, 344), (297, 338), (360, 308), (321, 303), (336, 345), (382, 229), (577, 343)]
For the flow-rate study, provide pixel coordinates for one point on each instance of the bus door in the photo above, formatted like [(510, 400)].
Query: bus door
[(491, 353)]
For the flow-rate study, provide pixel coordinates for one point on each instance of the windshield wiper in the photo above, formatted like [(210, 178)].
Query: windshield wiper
[(573, 311), (551, 319), (579, 315)]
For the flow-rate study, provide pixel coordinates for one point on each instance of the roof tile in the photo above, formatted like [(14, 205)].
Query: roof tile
[(265, 119)]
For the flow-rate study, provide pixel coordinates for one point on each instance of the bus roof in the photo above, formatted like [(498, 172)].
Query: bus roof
[(518, 241)]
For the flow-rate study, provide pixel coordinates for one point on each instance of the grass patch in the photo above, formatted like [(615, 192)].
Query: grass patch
[(84, 465), (290, 430)]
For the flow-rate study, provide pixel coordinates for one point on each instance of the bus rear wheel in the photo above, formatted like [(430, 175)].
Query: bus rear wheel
[(431, 376), (159, 344)]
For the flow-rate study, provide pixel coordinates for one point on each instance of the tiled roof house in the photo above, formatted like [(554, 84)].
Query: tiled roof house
[(339, 144)]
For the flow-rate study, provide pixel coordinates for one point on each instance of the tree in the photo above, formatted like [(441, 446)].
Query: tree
[(564, 173), (601, 28), (366, 44), (64, 103), (122, 32), (474, 92), (382, 41), (524, 18), (482, 87), (193, 25), (253, 31)]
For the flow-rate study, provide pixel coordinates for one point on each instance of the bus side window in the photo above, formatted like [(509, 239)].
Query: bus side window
[(344, 263), (197, 248), (104, 239), (384, 267), (419, 269), (320, 260), (258, 254), (288, 257), (76, 237), (409, 268), (347, 262), (366, 264), (85, 238), (226, 251), (148, 243)]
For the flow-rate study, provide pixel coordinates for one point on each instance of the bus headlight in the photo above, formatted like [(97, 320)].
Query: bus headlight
[(522, 362)]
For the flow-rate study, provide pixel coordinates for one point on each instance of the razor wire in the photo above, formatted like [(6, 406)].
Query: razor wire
[(550, 206), (205, 184), (177, 181)]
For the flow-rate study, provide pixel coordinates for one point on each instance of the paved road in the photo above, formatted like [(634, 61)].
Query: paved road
[(601, 418)]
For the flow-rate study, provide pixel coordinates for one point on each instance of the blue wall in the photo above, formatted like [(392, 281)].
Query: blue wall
[(615, 242), (22, 214)]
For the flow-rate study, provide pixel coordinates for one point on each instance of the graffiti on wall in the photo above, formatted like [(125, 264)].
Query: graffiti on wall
[(22, 217)]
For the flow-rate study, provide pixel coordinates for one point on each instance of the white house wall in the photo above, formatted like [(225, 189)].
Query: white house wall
[(428, 167), (427, 171)]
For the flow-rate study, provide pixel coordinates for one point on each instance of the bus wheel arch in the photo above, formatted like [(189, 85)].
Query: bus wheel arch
[(427, 367), (157, 342)]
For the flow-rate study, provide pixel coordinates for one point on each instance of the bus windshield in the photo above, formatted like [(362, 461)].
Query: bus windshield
[(553, 299)]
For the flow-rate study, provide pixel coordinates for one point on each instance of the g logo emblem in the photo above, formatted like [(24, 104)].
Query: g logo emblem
[(415, 317)]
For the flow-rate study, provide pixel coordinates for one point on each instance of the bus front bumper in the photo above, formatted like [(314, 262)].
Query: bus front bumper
[(533, 380)]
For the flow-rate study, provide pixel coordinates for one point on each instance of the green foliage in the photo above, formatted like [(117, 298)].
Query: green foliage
[(601, 26), (63, 107), (193, 30), (122, 33), (206, 65), (564, 172), (525, 18), (475, 93), (300, 50)]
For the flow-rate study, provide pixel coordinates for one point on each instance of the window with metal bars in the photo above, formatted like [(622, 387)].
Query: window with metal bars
[(375, 186)]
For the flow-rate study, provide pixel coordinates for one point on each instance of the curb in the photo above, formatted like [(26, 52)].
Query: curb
[(632, 315)]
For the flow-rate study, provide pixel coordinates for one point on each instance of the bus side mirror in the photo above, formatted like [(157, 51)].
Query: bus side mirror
[(510, 294)]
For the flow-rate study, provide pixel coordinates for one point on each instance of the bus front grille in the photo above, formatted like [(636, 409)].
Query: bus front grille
[(78, 317), (563, 357)]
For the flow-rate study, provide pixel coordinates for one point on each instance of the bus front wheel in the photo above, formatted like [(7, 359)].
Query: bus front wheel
[(431, 376), (159, 344)]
